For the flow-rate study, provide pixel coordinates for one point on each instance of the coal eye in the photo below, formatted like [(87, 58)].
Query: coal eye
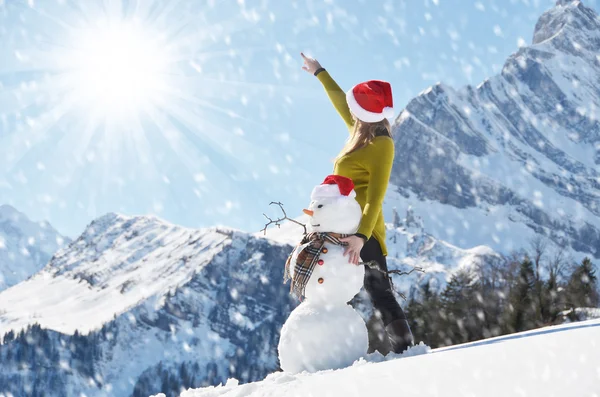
[(320, 206)]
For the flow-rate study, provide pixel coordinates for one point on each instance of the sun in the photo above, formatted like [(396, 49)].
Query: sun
[(134, 106), (116, 70)]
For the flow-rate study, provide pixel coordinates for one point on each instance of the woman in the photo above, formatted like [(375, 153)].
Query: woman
[(367, 158)]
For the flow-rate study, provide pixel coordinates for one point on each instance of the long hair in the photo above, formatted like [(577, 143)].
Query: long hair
[(362, 134)]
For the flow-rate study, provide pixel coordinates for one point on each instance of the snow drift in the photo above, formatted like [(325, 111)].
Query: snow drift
[(553, 361)]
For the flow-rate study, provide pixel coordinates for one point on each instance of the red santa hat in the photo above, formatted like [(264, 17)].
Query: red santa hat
[(334, 186), (371, 101)]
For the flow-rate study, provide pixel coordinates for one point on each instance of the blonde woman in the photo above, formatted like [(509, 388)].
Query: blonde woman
[(367, 159)]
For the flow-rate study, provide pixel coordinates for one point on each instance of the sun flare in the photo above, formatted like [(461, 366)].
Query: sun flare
[(134, 106), (117, 70)]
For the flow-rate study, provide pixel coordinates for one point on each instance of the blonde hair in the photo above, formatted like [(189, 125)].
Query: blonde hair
[(362, 134)]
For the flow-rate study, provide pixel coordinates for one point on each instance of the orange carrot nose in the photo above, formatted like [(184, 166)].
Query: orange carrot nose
[(308, 212)]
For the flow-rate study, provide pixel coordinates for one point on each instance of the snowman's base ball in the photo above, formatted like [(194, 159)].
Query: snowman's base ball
[(317, 337)]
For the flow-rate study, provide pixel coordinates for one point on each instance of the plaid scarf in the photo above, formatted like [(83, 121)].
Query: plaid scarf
[(307, 258)]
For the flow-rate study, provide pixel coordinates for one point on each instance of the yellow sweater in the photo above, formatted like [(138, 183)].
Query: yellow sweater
[(369, 167)]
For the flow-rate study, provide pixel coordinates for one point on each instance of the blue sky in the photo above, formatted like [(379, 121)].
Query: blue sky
[(206, 115)]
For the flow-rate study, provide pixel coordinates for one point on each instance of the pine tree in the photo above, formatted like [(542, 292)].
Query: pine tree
[(457, 303), (553, 299), (582, 288), (490, 293), (524, 315), (553, 288), (425, 318), (9, 337)]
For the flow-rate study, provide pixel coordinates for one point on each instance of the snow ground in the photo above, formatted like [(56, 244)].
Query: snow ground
[(553, 361)]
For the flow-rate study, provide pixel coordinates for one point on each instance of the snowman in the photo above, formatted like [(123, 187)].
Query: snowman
[(324, 332)]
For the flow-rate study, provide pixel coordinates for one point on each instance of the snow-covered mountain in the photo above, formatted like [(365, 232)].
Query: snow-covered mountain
[(141, 297), (25, 246), (552, 361), (518, 155)]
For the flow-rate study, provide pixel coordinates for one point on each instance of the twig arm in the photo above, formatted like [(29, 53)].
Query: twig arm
[(376, 266), (277, 222)]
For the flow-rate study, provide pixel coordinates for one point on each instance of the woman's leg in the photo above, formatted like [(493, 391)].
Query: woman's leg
[(378, 285)]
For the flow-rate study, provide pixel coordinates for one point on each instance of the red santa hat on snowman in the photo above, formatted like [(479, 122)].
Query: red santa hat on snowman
[(371, 101), (334, 186)]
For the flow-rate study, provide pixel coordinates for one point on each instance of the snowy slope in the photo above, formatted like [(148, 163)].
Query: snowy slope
[(517, 156), (553, 361), (116, 264), (411, 246), (25, 246)]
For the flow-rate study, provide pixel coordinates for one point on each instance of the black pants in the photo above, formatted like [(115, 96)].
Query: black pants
[(377, 284)]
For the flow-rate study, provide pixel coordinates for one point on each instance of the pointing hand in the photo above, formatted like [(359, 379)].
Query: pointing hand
[(310, 64)]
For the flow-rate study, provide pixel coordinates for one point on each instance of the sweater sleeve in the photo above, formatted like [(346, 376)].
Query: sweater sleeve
[(379, 166), (337, 97)]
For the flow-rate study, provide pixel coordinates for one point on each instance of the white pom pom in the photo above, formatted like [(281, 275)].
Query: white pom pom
[(388, 112)]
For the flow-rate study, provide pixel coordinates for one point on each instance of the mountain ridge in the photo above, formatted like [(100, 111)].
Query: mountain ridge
[(25, 246), (525, 141)]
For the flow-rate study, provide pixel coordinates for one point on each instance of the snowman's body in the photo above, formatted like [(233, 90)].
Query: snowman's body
[(341, 280), (324, 332)]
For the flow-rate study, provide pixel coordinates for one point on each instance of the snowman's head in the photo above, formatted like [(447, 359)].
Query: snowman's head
[(337, 215), (333, 207)]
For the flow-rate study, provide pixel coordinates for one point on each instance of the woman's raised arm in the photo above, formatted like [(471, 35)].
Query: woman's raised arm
[(336, 95)]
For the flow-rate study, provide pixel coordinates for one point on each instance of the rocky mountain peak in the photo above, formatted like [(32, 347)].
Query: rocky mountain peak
[(471, 151), (566, 2), (566, 15)]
